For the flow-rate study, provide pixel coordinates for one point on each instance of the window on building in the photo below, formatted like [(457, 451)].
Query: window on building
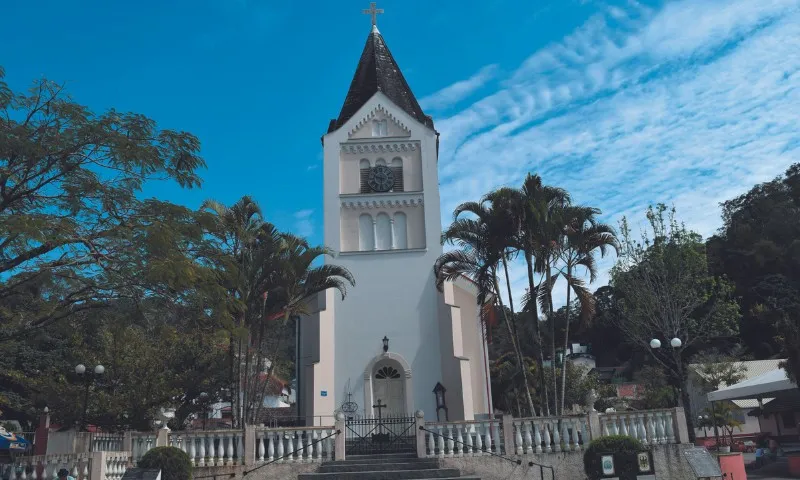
[(366, 233), (384, 230), (363, 170), (397, 168), (387, 372), (380, 128), (400, 231)]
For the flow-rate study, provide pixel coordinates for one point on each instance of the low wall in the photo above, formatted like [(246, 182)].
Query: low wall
[(669, 461)]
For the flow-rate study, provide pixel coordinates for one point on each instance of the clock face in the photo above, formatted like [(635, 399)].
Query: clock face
[(381, 178)]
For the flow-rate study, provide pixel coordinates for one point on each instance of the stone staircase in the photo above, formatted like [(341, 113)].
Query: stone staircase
[(399, 466)]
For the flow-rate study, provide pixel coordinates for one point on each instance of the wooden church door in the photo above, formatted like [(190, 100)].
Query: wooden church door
[(389, 388)]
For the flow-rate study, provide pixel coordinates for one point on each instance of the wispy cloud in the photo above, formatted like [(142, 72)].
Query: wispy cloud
[(452, 94), (303, 223), (688, 104)]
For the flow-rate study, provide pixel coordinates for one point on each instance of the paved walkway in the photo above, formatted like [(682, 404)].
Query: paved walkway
[(774, 471)]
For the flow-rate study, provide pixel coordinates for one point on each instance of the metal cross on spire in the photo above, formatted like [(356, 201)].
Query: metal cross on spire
[(374, 12)]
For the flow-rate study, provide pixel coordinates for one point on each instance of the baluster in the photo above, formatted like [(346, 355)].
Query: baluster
[(260, 450), (659, 428), (201, 450), (309, 447), (527, 439), (478, 439), (74, 471), (651, 428), (537, 437), (212, 449), (576, 446), (459, 441), (556, 437), (584, 434), (450, 442), (668, 421), (604, 424), (440, 440), (469, 430), (85, 469), (192, 449), (497, 438), (615, 425), (565, 434), (548, 447), (280, 439), (299, 449), (517, 438), (642, 430), (316, 448), (270, 446), (487, 441), (431, 445), (290, 452), (623, 426)]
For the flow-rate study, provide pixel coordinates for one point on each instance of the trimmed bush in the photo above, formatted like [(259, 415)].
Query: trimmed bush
[(173, 462), (623, 448)]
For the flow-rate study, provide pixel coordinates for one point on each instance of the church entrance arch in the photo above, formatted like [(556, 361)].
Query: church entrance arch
[(387, 379)]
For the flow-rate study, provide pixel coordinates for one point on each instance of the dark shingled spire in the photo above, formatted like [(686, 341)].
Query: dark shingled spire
[(377, 71)]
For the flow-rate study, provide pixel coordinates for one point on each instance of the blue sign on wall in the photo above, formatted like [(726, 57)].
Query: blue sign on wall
[(323, 393)]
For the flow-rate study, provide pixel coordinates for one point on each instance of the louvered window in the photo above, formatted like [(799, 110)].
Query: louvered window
[(398, 179), (387, 373), (365, 181)]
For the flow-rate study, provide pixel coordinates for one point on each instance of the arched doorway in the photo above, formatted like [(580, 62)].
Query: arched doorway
[(389, 389), (387, 378)]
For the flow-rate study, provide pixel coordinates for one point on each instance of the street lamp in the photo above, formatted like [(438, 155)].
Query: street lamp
[(702, 421), (80, 370), (385, 344), (674, 343)]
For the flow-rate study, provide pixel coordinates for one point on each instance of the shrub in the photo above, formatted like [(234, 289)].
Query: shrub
[(624, 449), (173, 462)]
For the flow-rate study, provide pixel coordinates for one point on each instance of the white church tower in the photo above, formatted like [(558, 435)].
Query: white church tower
[(395, 336)]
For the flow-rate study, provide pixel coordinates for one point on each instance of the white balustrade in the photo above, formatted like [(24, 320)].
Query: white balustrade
[(46, 467), (310, 444)]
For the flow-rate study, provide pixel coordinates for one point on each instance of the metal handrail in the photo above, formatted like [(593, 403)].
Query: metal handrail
[(508, 459)]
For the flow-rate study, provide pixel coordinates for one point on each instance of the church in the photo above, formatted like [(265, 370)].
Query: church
[(395, 344)]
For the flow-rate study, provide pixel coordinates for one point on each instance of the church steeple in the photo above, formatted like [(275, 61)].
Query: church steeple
[(378, 72)]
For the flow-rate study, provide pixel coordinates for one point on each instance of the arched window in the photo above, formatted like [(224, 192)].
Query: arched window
[(363, 169), (380, 161), (397, 168), (366, 233), (400, 231), (384, 231), (386, 373)]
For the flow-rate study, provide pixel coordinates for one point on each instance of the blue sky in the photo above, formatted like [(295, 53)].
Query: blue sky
[(621, 102)]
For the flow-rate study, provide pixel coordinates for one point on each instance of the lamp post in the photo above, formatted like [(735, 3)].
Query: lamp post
[(80, 370), (702, 420), (385, 344), (441, 403)]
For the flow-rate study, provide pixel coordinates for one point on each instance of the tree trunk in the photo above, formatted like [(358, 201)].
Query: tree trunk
[(515, 344), (566, 341), (542, 383), (550, 317)]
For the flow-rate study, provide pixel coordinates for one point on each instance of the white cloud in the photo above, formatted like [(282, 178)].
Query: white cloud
[(303, 223), (691, 104), (458, 91)]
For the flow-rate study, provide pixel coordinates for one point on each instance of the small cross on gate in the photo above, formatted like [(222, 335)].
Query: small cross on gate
[(380, 406), (374, 12)]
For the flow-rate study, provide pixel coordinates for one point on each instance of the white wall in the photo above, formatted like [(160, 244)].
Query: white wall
[(395, 293)]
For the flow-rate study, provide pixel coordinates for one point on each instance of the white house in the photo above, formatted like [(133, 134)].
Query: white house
[(395, 336)]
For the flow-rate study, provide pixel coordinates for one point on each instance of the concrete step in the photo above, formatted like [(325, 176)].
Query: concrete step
[(386, 475), (382, 457), (370, 461), (334, 467)]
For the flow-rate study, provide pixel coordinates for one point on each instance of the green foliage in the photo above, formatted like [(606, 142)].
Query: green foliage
[(624, 449), (723, 417), (657, 391), (173, 462), (69, 213), (758, 248)]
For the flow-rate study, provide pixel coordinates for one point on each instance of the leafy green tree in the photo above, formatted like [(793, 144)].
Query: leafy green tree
[(69, 206), (666, 291)]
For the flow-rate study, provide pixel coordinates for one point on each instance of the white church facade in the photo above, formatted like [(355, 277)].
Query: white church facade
[(395, 336)]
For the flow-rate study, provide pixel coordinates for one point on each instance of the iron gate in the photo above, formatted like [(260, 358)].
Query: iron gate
[(368, 436)]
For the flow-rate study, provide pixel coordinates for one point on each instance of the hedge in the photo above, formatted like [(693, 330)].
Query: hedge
[(624, 449), (173, 462)]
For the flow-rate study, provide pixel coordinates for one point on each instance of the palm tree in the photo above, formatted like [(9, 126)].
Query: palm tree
[(269, 276), (582, 237), (481, 250), (539, 208)]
